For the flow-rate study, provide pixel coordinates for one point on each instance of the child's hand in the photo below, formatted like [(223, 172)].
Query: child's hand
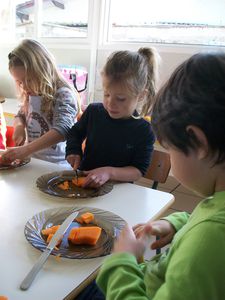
[(161, 228), (19, 135), (97, 177), (11, 154), (74, 160), (127, 242)]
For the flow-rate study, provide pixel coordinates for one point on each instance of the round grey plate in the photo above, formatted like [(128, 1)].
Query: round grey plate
[(15, 164), (110, 223), (48, 183)]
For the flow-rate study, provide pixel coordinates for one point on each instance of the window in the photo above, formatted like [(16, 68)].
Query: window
[(162, 21), (68, 18), (44, 18), (24, 18), (196, 22), (5, 20)]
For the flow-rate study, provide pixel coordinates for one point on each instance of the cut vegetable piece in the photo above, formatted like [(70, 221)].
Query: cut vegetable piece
[(85, 218), (64, 185), (78, 181), (50, 237), (50, 230), (85, 235)]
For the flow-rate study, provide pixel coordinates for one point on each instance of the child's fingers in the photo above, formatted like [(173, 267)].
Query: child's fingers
[(155, 230), (88, 179), (146, 235), (75, 165), (163, 241), (138, 231), (7, 157), (126, 232), (75, 162), (152, 229), (137, 226)]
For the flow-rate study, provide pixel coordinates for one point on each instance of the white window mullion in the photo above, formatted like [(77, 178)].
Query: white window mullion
[(93, 37), (104, 22), (37, 18)]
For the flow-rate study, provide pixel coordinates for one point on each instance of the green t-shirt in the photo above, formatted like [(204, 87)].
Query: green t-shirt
[(193, 268)]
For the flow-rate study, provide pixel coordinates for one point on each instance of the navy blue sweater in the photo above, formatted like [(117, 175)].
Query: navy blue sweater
[(110, 142)]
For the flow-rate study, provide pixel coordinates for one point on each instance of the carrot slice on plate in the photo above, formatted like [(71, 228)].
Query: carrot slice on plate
[(49, 239), (64, 185), (50, 230), (85, 235), (78, 181)]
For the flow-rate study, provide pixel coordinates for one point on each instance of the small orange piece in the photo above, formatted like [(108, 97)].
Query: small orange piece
[(85, 235), (49, 239), (78, 181), (87, 217), (79, 220), (64, 185), (3, 298), (50, 230)]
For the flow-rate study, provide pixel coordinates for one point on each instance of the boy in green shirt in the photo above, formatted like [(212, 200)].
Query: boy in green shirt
[(189, 120)]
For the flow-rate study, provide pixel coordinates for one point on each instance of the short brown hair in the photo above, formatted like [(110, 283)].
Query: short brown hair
[(194, 95)]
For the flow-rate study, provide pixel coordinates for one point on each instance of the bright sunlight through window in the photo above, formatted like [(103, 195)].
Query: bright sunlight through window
[(162, 21)]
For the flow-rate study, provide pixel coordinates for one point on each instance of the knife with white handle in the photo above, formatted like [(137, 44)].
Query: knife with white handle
[(42, 259)]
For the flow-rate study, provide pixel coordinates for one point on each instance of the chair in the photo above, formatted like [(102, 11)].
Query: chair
[(158, 171), (159, 168), (9, 135)]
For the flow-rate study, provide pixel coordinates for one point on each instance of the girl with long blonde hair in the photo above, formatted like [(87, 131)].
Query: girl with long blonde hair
[(49, 105)]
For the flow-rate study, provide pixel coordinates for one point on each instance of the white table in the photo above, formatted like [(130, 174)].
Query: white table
[(20, 199)]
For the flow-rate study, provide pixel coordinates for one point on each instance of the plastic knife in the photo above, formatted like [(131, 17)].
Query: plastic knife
[(42, 259)]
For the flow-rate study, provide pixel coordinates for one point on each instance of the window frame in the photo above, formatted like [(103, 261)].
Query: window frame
[(104, 42)]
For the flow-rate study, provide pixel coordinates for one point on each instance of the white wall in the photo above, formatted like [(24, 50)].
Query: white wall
[(62, 55), (171, 56)]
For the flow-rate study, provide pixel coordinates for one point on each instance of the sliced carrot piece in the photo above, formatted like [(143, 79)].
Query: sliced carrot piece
[(78, 181), (50, 230), (87, 217), (64, 185), (49, 239), (79, 220), (85, 235), (71, 235)]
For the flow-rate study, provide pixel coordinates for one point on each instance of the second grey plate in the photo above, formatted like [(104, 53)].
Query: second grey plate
[(110, 223), (48, 183)]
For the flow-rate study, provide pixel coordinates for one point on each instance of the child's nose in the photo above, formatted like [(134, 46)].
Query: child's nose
[(111, 102)]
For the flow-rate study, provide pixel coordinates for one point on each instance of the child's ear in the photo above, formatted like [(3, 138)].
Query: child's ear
[(198, 135), (142, 95)]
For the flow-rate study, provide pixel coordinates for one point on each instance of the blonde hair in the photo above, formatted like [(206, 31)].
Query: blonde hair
[(137, 70), (41, 73)]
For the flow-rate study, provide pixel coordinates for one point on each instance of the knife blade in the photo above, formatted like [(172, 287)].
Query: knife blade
[(76, 175), (45, 254)]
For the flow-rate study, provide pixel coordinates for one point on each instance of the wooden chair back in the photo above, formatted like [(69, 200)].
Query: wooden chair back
[(158, 172), (159, 168)]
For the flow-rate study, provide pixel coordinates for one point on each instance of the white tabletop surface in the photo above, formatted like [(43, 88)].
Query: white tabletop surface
[(20, 200)]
